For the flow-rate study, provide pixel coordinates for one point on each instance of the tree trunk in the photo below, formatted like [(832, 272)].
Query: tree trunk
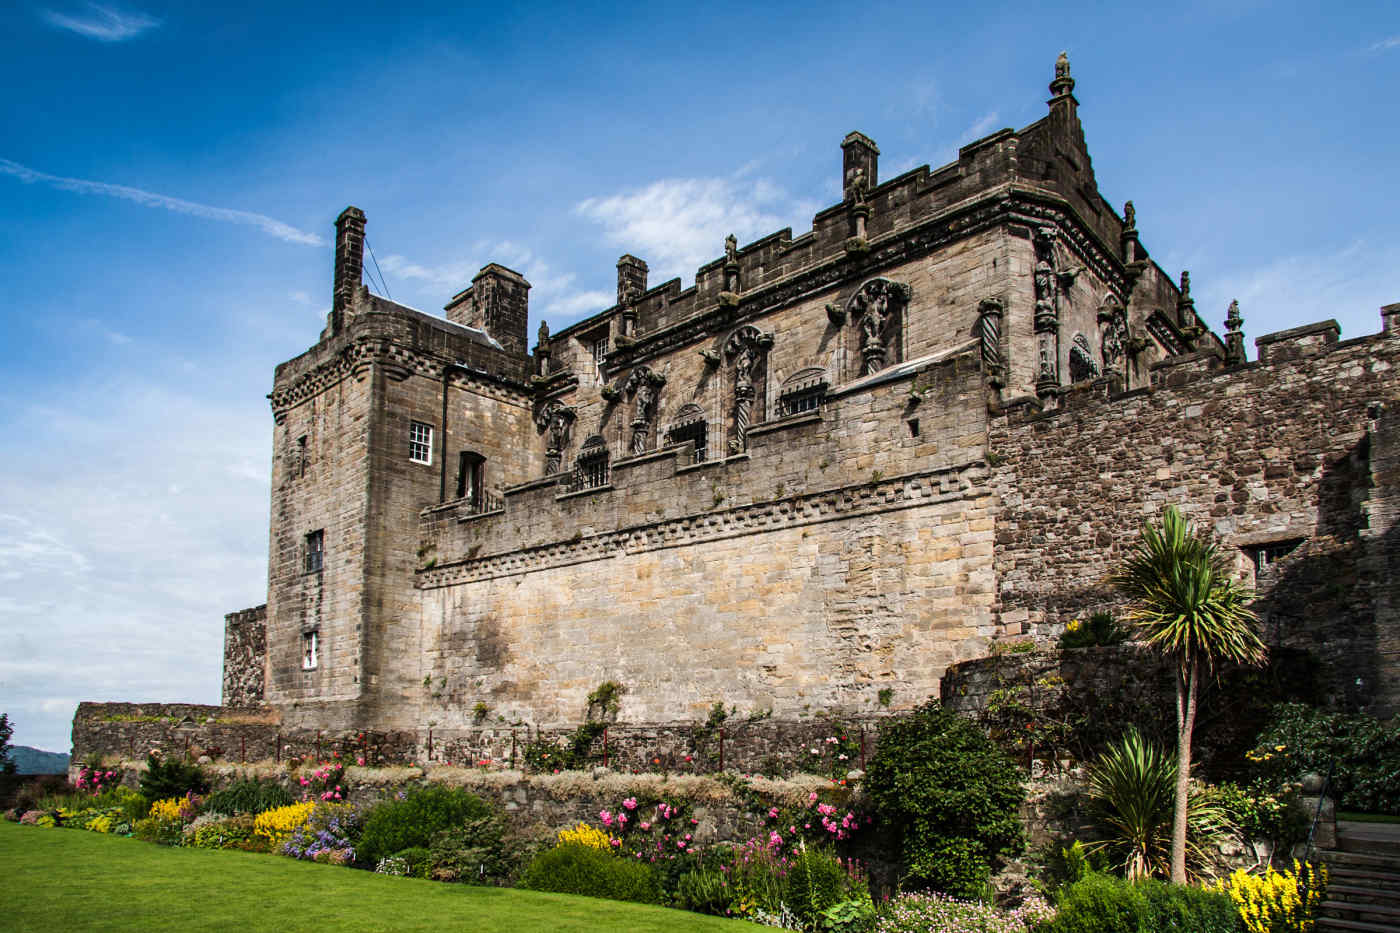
[(1185, 724)]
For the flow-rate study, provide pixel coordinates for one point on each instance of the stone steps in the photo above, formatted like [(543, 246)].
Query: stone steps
[(1363, 894)]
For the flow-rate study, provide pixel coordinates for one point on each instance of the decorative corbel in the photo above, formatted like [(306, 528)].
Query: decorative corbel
[(610, 393), (710, 357), (836, 313)]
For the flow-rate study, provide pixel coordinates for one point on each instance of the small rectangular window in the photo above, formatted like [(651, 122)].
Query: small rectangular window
[(315, 551), (913, 427), (420, 442), (299, 468), (310, 644), (598, 349)]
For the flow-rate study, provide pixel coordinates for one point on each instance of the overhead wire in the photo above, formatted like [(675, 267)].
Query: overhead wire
[(382, 283)]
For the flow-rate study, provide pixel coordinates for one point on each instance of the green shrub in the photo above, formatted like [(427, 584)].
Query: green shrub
[(951, 796), (1299, 739), (472, 853), (249, 796), (164, 779), (816, 881), (704, 891), (578, 869), (233, 832), (419, 861), (1100, 903), (1101, 629), (397, 824), (160, 831)]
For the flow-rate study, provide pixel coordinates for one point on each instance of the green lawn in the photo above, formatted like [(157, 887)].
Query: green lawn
[(68, 879)]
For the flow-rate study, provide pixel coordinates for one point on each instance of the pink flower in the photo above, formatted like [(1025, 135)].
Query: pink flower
[(606, 817), (630, 803), (687, 837), (812, 797), (680, 843), (615, 843), (360, 762), (645, 824), (772, 813), (622, 819)]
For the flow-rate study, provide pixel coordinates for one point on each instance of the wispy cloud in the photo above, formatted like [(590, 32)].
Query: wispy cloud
[(268, 225), (676, 224), (1385, 45), (103, 23)]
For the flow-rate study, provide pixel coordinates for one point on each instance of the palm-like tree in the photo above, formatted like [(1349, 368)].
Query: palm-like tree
[(1185, 604)]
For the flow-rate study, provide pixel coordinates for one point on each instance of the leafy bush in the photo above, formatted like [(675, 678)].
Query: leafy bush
[(1100, 903), (249, 796), (935, 913), (214, 831), (472, 853), (704, 891), (1101, 629), (950, 794), (1277, 818), (172, 778), (1299, 739), (328, 834), (417, 860), (818, 881), (414, 818), (576, 869), (161, 831), (1132, 793), (1277, 902)]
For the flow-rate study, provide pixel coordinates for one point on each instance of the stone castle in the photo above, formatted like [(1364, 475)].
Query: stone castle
[(834, 466)]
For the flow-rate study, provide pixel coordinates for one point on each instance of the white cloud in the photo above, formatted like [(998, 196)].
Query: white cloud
[(1385, 45), (984, 125), (268, 225), (677, 224), (103, 23)]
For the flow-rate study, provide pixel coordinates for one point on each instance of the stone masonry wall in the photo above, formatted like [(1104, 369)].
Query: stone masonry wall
[(245, 656), (1265, 453)]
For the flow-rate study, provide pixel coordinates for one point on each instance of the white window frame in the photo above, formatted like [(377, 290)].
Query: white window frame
[(310, 649), (420, 442)]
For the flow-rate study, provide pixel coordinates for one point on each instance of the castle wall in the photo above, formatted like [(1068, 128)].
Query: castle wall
[(245, 657), (1261, 454)]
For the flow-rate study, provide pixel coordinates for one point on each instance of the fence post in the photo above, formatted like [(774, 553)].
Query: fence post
[(512, 749), (430, 743), (605, 746), (277, 749), (862, 748), (721, 748), (318, 746), (243, 747)]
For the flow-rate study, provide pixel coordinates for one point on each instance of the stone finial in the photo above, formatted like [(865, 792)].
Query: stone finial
[(1234, 337), (860, 162), (544, 334), (1063, 85), (731, 271), (731, 248), (542, 351), (1185, 285), (1186, 307), (1129, 216)]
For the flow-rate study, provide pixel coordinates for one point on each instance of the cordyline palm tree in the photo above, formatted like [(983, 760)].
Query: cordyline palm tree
[(1186, 606)]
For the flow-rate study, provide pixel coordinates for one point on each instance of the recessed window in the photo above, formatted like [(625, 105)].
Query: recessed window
[(598, 350), (913, 427), (1265, 556), (420, 442), (315, 551), (471, 468), (690, 426), (310, 646), (299, 468), (591, 468), (802, 393)]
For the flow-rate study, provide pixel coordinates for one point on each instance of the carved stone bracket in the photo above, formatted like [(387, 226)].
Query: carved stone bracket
[(835, 314), (875, 307)]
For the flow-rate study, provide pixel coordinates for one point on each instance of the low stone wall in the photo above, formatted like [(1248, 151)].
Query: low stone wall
[(768, 746)]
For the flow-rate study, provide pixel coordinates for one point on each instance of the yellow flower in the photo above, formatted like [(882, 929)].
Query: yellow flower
[(276, 825), (585, 835)]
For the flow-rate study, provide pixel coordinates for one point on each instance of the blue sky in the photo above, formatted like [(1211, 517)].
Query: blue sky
[(170, 173)]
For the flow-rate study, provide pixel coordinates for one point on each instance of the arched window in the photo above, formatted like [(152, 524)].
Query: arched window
[(1081, 360), (802, 392), (690, 425), (591, 467)]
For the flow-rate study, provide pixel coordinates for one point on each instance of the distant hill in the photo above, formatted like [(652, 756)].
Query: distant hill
[(37, 761)]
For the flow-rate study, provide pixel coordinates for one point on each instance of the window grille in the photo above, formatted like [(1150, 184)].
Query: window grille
[(591, 468), (802, 393), (420, 442), (315, 551), (697, 431)]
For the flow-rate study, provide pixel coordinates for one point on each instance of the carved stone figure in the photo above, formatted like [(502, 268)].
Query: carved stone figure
[(1062, 65), (874, 307), (643, 385), (1129, 216), (858, 187), (555, 420), (746, 347), (1234, 337), (731, 249), (1113, 335)]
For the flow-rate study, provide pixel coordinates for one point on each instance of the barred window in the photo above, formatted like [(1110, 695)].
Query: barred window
[(310, 643), (591, 468), (315, 550), (803, 392), (690, 426), (420, 442)]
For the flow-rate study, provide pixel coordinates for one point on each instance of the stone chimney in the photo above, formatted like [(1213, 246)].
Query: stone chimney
[(498, 302), (860, 158), (349, 262), (631, 279)]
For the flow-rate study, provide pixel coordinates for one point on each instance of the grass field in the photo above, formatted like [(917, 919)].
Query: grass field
[(68, 879)]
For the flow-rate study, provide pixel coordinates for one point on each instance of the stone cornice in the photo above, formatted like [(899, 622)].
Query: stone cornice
[(398, 361), (887, 495), (1007, 204)]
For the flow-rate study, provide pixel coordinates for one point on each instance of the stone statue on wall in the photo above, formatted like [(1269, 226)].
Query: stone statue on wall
[(875, 308), (746, 348), (642, 385), (555, 420), (731, 248), (1113, 335), (1129, 216)]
